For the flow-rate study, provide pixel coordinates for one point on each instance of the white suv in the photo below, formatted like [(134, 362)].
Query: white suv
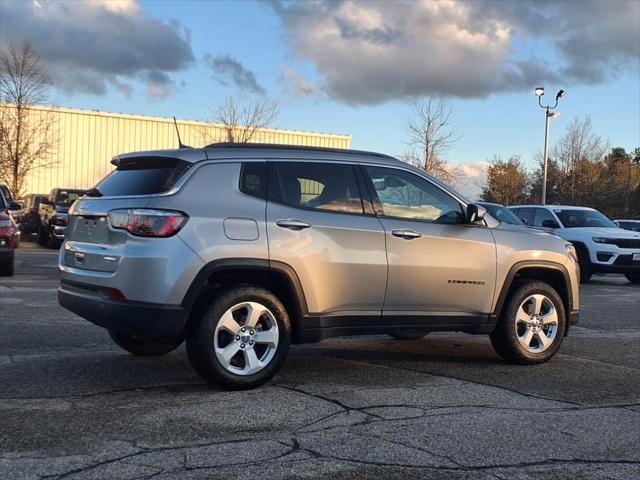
[(602, 246)]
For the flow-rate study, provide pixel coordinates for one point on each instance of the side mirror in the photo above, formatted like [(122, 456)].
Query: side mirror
[(550, 224), (475, 213), (14, 206), (524, 220)]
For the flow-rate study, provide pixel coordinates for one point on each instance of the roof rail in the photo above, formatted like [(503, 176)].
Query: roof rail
[(276, 146)]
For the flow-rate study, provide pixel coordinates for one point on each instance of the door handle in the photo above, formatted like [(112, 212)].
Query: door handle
[(405, 233), (292, 224)]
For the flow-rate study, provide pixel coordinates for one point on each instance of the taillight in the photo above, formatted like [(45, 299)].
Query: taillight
[(148, 223)]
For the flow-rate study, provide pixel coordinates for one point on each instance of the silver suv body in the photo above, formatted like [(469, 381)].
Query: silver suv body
[(243, 249)]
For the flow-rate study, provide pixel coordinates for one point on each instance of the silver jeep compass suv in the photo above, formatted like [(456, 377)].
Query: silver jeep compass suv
[(241, 250)]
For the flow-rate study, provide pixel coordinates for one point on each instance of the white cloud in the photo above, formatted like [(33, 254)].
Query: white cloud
[(90, 45), (372, 52)]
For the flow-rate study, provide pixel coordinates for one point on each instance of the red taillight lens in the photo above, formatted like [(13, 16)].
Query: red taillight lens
[(114, 294), (148, 223)]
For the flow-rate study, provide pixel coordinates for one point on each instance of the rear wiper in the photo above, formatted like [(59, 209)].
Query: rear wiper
[(93, 192)]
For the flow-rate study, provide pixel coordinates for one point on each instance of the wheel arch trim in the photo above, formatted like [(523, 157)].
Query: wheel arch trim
[(526, 264)]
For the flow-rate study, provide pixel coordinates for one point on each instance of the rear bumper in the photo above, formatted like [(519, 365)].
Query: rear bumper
[(147, 320)]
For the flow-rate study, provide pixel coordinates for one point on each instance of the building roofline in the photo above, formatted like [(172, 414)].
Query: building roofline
[(194, 123)]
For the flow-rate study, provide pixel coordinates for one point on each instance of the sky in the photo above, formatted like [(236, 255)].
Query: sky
[(351, 67)]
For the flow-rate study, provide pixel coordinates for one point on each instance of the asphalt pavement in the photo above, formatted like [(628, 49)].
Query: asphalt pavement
[(75, 406)]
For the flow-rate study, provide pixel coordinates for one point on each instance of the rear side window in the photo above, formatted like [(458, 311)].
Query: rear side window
[(318, 186), (542, 214), (143, 176), (253, 179)]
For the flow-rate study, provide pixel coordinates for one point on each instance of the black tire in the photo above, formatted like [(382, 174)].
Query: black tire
[(586, 270), (6, 266), (201, 339), (505, 336), (43, 236), (633, 277), (407, 334), (140, 347)]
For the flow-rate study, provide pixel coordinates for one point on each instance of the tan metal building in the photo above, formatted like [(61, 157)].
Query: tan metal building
[(86, 140)]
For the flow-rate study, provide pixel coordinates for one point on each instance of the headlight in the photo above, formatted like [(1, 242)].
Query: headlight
[(571, 252), (5, 223), (601, 240)]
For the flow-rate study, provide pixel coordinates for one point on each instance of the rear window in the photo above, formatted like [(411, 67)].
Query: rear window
[(143, 176), (67, 197)]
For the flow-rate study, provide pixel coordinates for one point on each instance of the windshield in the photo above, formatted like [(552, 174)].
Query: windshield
[(502, 214), (67, 197), (574, 218)]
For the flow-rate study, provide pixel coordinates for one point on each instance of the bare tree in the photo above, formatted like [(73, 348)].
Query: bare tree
[(431, 135), (243, 119), (25, 135), (577, 150)]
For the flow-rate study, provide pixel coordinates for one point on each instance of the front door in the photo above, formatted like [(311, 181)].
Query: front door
[(439, 266), (317, 224)]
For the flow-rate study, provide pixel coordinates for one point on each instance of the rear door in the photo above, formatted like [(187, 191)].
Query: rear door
[(318, 224), (439, 266)]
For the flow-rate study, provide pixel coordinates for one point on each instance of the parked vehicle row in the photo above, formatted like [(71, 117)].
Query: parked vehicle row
[(602, 246), (52, 215), (9, 235), (243, 249)]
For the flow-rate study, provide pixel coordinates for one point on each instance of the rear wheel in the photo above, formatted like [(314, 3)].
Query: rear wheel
[(407, 334), (531, 325), (633, 277), (6, 266), (242, 338), (140, 347)]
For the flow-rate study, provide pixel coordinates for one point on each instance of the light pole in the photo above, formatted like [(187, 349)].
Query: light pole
[(539, 91)]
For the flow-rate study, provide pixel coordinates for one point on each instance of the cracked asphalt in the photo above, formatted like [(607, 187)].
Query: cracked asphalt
[(74, 406)]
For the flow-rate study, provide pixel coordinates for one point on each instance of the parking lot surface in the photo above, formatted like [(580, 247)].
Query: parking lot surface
[(73, 405)]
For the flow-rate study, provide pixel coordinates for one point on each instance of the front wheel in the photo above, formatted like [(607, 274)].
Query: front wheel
[(532, 324), (633, 277), (242, 339), (140, 347), (586, 270)]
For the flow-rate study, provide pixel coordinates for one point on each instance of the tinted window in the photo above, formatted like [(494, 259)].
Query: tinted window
[(404, 195), (526, 215), (321, 186), (542, 214), (142, 176), (502, 214), (253, 179), (572, 218), (67, 197)]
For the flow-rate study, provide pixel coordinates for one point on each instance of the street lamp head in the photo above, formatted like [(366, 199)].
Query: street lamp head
[(560, 94), (539, 91)]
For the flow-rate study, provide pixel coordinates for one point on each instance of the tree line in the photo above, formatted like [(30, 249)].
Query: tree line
[(581, 170)]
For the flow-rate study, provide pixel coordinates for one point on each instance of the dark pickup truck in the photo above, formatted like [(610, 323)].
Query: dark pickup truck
[(53, 215)]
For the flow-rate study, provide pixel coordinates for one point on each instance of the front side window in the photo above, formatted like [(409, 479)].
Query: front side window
[(318, 186), (404, 195)]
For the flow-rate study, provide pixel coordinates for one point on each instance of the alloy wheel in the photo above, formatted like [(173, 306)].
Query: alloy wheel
[(536, 323), (246, 338)]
